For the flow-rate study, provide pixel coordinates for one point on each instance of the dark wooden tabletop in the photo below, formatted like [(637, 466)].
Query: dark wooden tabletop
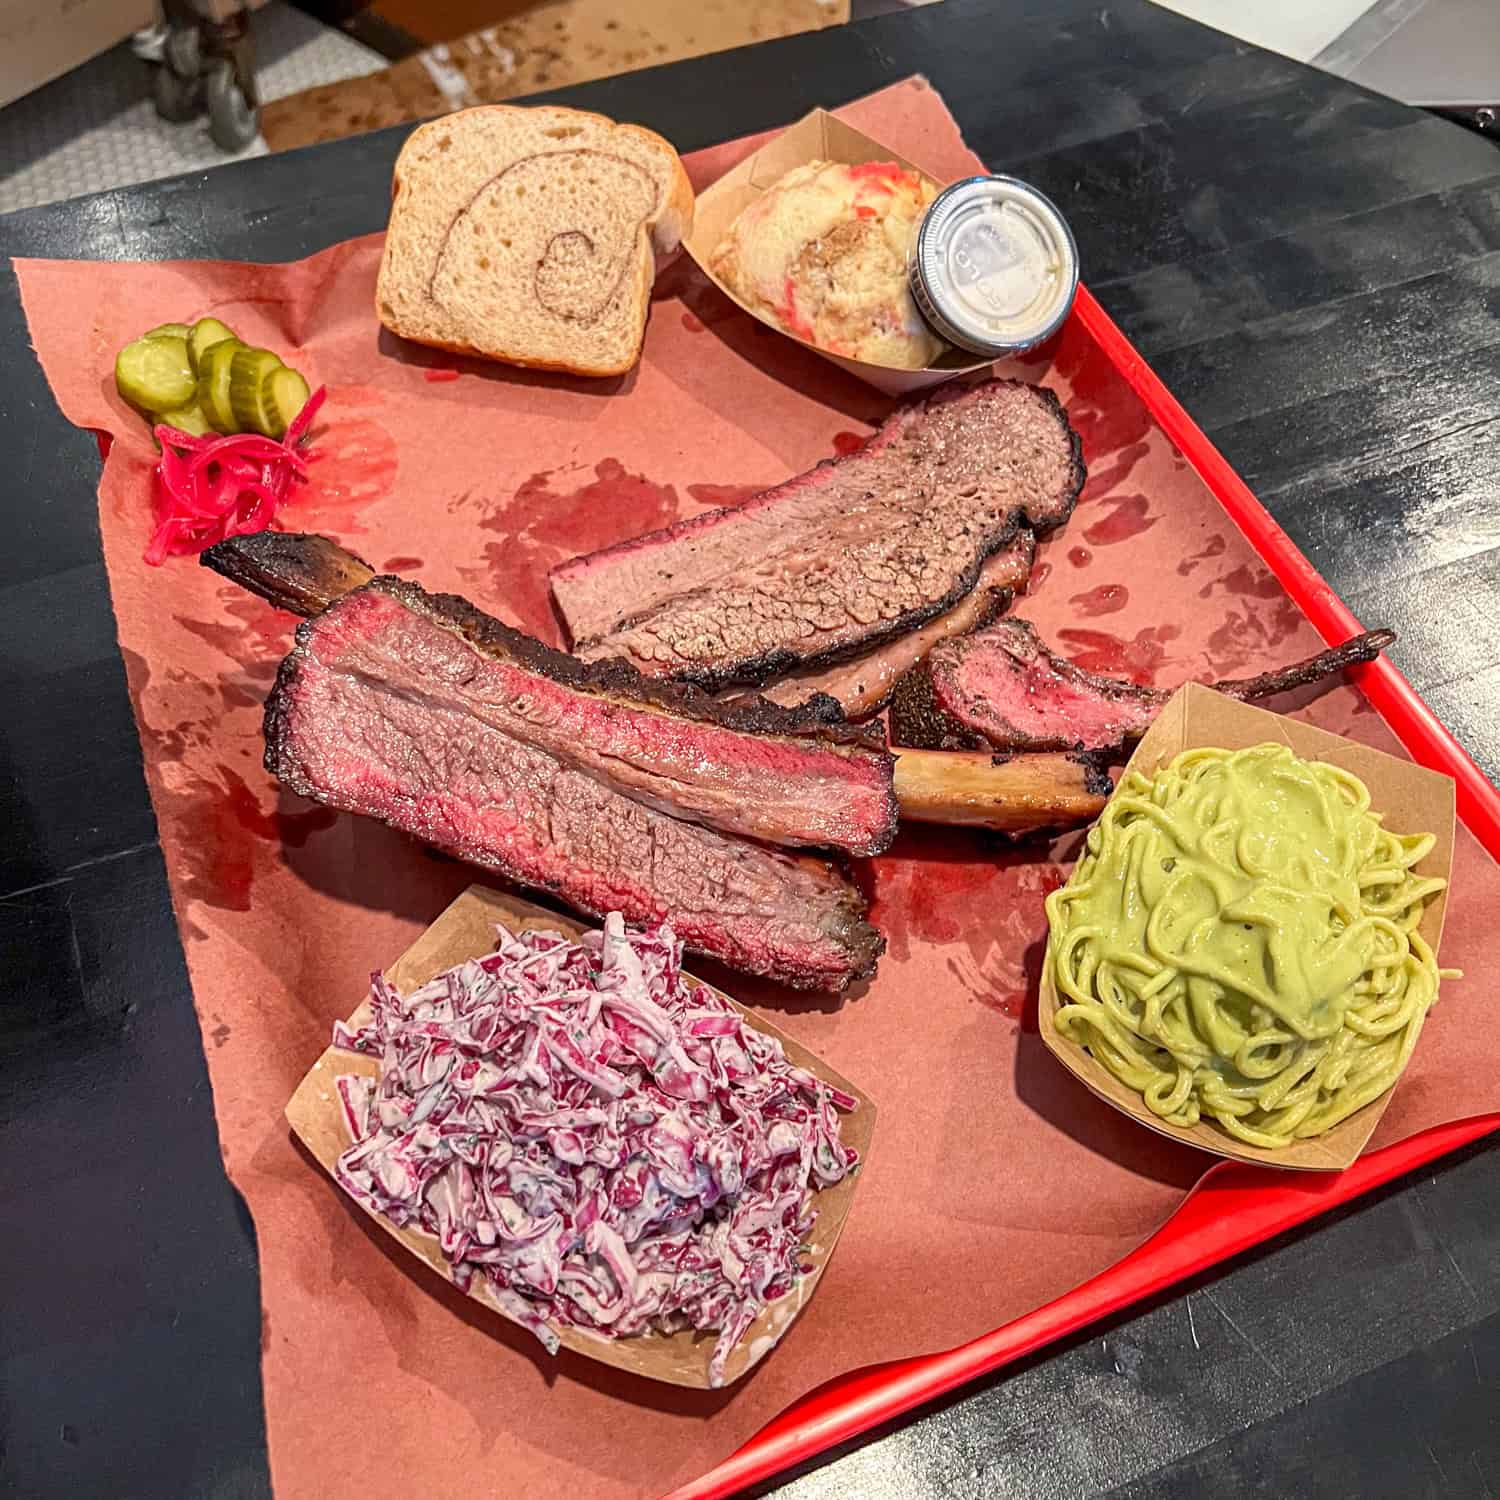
[(1313, 270)]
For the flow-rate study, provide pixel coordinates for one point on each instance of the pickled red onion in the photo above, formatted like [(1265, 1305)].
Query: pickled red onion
[(213, 487)]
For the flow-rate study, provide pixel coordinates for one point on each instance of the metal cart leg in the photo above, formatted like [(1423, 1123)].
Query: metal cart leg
[(206, 63), (229, 83)]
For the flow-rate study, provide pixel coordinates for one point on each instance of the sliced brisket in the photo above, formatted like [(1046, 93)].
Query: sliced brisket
[(855, 553), (786, 776), (863, 685), (1004, 687), (384, 708)]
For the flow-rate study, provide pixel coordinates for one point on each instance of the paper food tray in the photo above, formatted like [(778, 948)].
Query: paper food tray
[(467, 930), (1410, 799), (819, 136)]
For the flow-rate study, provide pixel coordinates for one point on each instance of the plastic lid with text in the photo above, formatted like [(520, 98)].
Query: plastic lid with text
[(995, 268)]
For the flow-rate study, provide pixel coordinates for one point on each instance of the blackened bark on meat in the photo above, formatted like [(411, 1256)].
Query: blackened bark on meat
[(918, 723), (855, 553), (769, 666), (1354, 652), (827, 789), (304, 573), (819, 719), (863, 685), (1095, 771), (1004, 686), (301, 572), (372, 731), (337, 732)]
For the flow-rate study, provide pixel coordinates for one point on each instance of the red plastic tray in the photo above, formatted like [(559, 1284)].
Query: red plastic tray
[(1235, 1206)]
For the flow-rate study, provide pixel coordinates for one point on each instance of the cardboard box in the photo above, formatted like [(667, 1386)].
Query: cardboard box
[(40, 41), (820, 136), (467, 930), (1411, 799)]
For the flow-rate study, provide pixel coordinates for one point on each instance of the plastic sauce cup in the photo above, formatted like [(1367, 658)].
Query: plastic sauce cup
[(994, 268)]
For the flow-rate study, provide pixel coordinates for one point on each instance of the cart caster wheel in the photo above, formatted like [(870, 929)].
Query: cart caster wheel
[(177, 99), (232, 119), (182, 51)]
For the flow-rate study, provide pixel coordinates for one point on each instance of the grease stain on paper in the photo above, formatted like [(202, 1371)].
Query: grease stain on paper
[(1248, 581), (988, 911), (343, 397), (723, 496), (544, 523), (211, 817), (1106, 599), (353, 462), (1253, 635), (1213, 547), (1108, 416), (221, 831), (1130, 516), (1140, 658), (258, 640)]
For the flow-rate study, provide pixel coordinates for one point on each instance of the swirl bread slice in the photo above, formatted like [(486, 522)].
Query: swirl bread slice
[(529, 235)]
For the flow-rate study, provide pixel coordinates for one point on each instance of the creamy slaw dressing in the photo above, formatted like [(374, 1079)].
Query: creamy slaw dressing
[(610, 1147)]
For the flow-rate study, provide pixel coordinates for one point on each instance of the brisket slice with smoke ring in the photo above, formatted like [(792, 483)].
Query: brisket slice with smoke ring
[(863, 685), (857, 552), (306, 574), (374, 712)]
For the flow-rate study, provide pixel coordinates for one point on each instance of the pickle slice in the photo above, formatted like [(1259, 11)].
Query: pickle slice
[(205, 334), (189, 419), (213, 384), (250, 374), (154, 374), (169, 331), (284, 396)]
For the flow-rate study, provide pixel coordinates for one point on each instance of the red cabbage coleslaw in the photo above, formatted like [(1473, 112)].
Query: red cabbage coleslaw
[(612, 1147)]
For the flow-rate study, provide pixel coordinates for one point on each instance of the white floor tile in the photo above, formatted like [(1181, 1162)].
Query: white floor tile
[(95, 128)]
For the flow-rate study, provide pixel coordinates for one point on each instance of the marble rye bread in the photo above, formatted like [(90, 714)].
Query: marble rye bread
[(530, 235)]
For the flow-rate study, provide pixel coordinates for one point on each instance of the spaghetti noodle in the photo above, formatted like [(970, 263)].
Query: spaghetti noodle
[(1239, 941)]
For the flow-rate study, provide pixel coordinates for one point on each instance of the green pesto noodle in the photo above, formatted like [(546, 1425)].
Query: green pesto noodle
[(1239, 943)]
